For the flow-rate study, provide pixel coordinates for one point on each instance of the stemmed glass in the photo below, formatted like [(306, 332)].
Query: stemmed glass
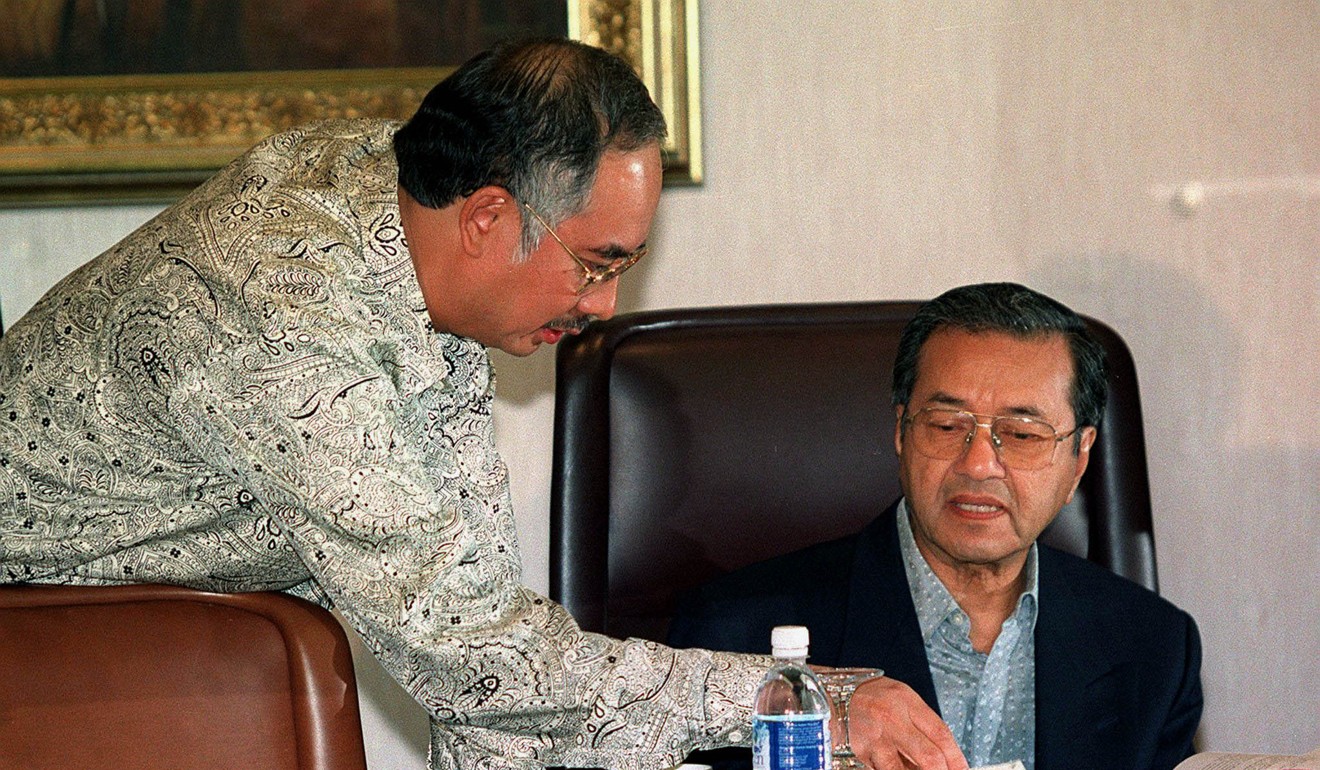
[(840, 684)]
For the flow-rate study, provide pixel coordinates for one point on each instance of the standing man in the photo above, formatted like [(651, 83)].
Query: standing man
[(1028, 653), (282, 383)]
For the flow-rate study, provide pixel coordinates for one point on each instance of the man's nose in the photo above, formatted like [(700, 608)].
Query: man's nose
[(980, 458), (599, 300)]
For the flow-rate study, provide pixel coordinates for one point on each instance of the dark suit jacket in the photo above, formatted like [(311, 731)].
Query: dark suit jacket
[(1118, 682)]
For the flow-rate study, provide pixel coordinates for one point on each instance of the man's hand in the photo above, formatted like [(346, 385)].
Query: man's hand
[(892, 728)]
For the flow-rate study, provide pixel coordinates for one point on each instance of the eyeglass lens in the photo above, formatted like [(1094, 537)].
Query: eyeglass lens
[(603, 273)]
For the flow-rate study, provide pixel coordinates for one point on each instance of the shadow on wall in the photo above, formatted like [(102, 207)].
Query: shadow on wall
[(1187, 359), (1188, 356), (522, 380), (1234, 487)]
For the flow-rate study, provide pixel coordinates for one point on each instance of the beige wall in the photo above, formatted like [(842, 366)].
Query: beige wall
[(860, 150)]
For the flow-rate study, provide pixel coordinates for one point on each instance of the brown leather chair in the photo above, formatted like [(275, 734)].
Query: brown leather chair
[(149, 677), (689, 443)]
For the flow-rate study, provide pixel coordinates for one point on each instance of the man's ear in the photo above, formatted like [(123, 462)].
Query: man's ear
[(485, 220), (1083, 458)]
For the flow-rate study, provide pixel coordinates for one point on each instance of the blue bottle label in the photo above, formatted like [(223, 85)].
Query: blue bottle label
[(790, 742)]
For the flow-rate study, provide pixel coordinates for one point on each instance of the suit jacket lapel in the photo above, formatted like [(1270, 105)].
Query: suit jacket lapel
[(1074, 698), (881, 627)]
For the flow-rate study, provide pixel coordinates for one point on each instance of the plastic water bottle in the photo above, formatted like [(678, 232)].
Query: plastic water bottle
[(790, 720)]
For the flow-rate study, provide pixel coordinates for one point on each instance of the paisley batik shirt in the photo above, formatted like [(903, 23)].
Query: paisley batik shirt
[(245, 394)]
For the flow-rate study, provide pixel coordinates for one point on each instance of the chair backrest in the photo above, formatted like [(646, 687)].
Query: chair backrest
[(164, 677), (689, 443)]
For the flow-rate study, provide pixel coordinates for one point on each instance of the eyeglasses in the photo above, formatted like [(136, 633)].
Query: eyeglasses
[(1021, 443), (593, 275)]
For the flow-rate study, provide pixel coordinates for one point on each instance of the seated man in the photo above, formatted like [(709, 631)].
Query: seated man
[(1026, 652)]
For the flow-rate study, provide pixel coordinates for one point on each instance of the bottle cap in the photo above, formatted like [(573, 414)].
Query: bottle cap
[(789, 641)]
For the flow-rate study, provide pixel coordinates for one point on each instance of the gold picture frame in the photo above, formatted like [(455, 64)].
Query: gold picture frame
[(120, 138)]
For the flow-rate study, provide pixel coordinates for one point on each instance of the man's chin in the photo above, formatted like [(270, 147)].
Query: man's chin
[(520, 347)]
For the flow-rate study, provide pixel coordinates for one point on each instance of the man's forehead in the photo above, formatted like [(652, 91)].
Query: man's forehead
[(980, 338), (956, 356), (622, 202)]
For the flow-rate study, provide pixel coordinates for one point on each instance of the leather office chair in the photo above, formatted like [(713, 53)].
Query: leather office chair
[(689, 443), (149, 677)]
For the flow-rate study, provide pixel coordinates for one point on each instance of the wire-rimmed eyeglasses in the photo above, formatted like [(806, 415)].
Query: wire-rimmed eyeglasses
[(592, 275), (1021, 443)]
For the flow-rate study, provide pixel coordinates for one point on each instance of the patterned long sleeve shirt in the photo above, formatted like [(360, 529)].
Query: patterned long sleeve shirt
[(245, 394)]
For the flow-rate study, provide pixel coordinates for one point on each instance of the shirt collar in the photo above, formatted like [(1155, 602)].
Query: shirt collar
[(933, 602)]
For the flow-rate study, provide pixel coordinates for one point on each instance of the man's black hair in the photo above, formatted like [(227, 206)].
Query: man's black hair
[(531, 116)]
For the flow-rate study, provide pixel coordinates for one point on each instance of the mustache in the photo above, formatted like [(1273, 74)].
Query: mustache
[(571, 324)]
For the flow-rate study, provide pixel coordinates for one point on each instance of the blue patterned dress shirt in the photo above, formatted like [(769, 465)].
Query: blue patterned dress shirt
[(988, 701)]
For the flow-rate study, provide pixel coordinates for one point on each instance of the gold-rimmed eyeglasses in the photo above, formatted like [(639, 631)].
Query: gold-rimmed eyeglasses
[(1021, 443), (592, 275)]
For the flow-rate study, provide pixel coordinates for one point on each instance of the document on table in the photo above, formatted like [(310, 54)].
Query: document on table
[(1216, 760)]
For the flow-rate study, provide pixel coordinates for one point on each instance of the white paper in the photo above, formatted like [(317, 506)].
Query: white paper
[(1215, 760)]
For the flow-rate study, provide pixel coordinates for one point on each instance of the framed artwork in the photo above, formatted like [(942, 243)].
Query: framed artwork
[(140, 100)]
